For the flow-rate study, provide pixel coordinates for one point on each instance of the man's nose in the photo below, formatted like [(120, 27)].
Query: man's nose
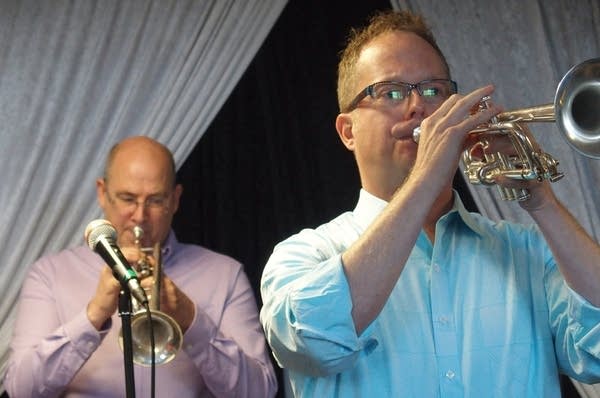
[(416, 105), (139, 214)]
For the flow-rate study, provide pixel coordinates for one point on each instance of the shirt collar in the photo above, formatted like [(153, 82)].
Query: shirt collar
[(369, 207), (169, 246), (467, 218)]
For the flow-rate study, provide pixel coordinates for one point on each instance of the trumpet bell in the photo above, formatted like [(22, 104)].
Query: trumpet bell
[(577, 107), (149, 321), (167, 337)]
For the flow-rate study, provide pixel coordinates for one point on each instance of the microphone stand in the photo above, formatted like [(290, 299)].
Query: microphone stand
[(125, 311)]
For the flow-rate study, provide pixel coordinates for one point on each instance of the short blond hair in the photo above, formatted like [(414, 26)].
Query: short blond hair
[(379, 23)]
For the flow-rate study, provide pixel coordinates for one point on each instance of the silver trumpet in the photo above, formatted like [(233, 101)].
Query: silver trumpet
[(576, 111), (168, 336)]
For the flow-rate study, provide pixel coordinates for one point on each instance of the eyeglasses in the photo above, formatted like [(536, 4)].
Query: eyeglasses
[(129, 203), (433, 91)]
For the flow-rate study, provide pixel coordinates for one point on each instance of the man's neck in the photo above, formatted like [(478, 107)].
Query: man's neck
[(442, 204)]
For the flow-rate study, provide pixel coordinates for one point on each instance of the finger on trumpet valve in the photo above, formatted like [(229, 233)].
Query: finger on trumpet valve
[(484, 103), (145, 263)]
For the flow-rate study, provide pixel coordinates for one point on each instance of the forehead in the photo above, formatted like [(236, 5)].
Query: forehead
[(139, 173), (401, 56)]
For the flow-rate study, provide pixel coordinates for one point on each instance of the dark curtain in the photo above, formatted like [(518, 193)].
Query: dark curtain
[(271, 162)]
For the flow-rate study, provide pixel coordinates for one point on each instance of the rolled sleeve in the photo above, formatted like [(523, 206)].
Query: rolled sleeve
[(586, 319), (307, 308)]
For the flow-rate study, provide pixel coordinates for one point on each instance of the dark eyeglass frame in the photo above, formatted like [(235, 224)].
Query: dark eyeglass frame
[(370, 90)]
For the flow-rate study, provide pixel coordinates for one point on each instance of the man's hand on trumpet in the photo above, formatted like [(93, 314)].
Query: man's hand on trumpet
[(105, 302), (106, 299), (173, 301)]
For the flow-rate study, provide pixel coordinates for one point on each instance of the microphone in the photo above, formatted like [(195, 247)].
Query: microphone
[(101, 237)]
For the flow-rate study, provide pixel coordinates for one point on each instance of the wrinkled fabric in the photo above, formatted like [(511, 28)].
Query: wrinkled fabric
[(481, 312), (57, 352)]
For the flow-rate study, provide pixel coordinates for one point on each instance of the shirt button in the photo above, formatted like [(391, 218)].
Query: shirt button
[(370, 345), (436, 268), (450, 374)]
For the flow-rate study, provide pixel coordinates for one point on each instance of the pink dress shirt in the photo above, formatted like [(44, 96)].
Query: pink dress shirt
[(55, 351)]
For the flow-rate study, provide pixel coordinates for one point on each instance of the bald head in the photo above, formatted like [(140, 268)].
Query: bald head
[(139, 147), (139, 189)]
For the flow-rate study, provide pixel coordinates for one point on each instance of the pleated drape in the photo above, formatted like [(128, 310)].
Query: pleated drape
[(78, 76)]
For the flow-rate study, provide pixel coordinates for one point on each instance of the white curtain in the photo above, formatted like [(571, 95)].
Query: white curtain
[(76, 77), (524, 47)]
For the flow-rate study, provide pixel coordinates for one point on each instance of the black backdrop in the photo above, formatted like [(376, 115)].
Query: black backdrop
[(271, 162)]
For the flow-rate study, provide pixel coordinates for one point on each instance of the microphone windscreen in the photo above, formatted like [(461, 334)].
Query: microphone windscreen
[(98, 229)]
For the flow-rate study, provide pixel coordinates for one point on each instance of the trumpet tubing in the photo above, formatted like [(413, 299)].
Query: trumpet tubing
[(168, 336), (575, 110)]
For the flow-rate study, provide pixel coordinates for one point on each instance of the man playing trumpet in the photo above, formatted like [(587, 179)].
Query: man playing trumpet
[(409, 295), (67, 330)]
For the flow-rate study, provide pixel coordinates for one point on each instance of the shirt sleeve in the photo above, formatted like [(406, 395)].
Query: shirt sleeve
[(45, 354), (231, 356), (576, 327), (307, 306)]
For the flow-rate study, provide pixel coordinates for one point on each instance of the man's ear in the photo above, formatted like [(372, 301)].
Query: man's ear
[(343, 125), (101, 192), (177, 196)]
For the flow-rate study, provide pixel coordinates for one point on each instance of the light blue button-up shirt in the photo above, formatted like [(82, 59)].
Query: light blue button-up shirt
[(481, 312)]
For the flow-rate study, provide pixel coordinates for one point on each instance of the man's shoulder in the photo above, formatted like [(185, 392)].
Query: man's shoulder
[(75, 253), (205, 255), (503, 227), (342, 223), (66, 264), (335, 234)]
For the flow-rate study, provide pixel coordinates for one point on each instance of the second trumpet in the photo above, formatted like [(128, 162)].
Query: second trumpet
[(168, 336)]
